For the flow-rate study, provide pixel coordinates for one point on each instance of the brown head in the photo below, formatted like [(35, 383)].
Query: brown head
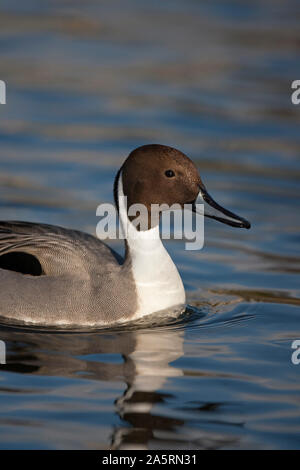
[(157, 174)]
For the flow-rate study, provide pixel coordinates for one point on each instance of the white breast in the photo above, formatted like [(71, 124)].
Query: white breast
[(158, 283)]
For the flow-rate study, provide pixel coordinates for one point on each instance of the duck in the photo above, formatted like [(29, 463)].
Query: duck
[(54, 276)]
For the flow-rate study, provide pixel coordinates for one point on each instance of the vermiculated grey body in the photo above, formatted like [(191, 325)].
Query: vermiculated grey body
[(80, 273)]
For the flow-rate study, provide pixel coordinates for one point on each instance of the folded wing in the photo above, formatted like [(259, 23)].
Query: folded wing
[(41, 249)]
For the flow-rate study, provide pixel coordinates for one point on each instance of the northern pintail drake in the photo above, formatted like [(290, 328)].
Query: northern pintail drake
[(51, 276)]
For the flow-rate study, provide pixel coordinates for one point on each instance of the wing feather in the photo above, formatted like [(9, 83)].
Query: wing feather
[(58, 250)]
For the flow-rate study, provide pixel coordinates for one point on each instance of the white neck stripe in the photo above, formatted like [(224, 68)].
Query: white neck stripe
[(157, 280)]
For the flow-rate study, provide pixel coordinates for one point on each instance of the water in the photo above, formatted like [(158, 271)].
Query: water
[(85, 85)]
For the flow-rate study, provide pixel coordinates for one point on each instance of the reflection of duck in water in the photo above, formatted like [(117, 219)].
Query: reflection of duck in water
[(153, 357), (144, 363), (54, 276), (112, 389)]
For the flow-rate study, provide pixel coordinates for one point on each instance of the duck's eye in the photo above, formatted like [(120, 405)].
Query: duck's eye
[(170, 173)]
